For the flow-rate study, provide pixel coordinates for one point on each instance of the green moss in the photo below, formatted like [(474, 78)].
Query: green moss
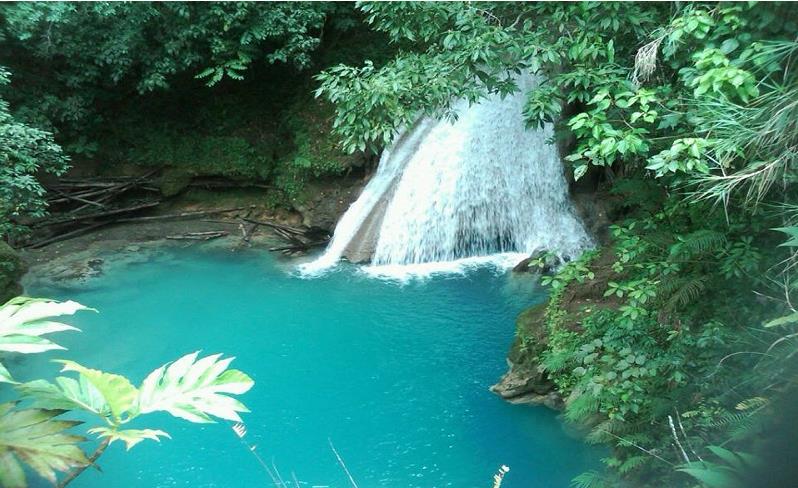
[(196, 155), (315, 152), (12, 267)]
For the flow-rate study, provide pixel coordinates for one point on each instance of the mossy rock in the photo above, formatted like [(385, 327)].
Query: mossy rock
[(173, 181), (12, 267), (530, 327), (525, 382)]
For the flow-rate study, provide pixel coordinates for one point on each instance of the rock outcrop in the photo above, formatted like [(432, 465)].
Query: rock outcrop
[(524, 382), (325, 201), (540, 262)]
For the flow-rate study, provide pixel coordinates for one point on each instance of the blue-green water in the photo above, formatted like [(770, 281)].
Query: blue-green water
[(396, 376)]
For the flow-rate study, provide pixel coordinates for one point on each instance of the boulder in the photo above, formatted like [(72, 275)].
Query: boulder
[(540, 261)]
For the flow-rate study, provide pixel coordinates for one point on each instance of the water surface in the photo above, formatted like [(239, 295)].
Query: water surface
[(396, 375)]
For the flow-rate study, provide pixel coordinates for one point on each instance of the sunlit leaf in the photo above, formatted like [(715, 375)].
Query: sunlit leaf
[(23, 321), (32, 436), (130, 437), (787, 319), (194, 389), (5, 376), (67, 393), (118, 392)]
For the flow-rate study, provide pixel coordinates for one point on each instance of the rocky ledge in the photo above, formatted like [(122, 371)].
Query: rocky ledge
[(524, 382)]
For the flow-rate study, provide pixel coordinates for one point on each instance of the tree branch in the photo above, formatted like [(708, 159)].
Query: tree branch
[(74, 473)]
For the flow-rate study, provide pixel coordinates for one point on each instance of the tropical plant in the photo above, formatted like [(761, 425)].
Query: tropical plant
[(192, 388), (25, 152)]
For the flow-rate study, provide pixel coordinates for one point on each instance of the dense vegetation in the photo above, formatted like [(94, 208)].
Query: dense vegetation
[(682, 116), (216, 89), (685, 114)]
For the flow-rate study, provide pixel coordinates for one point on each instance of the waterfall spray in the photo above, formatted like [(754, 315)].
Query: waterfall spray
[(483, 188)]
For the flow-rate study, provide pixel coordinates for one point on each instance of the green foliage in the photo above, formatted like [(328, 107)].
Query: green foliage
[(23, 322), (685, 113), (161, 85), (189, 388), (148, 44), (707, 106), (192, 389), (197, 154), (727, 472), (24, 152), (35, 437)]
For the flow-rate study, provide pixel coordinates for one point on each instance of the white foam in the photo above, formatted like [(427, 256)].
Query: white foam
[(406, 272)]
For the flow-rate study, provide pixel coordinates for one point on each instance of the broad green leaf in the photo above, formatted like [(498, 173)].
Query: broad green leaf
[(787, 319), (23, 321), (792, 233), (5, 376), (33, 437), (21, 313), (580, 171), (68, 393), (118, 392), (194, 389), (11, 473), (130, 437), (731, 458), (26, 344), (712, 475)]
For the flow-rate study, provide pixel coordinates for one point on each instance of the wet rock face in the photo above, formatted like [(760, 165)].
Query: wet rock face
[(524, 382), (325, 203), (12, 267), (595, 212)]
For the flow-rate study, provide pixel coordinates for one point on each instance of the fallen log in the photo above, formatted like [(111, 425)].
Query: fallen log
[(183, 215), (97, 215), (247, 232), (229, 184), (77, 198), (68, 235), (274, 225), (199, 236), (299, 247)]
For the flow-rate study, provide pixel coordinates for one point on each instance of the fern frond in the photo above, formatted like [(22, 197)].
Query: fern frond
[(751, 403), (697, 243), (554, 361), (602, 432), (633, 462), (590, 479), (728, 418), (681, 292), (582, 407)]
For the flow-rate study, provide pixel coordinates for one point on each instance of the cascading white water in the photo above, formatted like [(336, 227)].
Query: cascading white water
[(478, 187)]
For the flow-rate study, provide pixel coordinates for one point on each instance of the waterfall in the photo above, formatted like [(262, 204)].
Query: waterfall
[(481, 188)]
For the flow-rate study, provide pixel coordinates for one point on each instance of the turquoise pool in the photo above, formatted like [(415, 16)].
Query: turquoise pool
[(396, 375)]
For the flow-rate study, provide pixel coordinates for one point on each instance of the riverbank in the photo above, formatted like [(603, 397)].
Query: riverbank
[(208, 217)]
